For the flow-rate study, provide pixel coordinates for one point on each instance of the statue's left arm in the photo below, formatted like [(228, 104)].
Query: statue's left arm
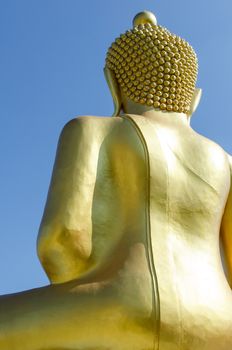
[(226, 231), (64, 242)]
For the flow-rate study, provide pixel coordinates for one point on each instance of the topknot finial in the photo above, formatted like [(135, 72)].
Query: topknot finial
[(144, 17)]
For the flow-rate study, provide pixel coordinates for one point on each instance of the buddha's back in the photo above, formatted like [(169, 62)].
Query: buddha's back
[(189, 186), (157, 199)]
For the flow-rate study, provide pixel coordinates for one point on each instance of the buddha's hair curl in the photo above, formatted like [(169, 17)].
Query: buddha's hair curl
[(154, 67)]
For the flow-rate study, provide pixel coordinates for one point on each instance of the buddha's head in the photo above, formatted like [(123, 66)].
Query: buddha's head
[(153, 67)]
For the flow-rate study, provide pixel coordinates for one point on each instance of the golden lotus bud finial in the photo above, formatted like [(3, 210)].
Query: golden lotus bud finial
[(144, 17)]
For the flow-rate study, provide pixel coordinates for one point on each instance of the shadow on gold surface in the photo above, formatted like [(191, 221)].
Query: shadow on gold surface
[(136, 209)]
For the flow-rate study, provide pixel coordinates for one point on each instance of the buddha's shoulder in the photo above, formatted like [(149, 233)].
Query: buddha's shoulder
[(112, 134), (203, 142), (89, 126), (90, 120)]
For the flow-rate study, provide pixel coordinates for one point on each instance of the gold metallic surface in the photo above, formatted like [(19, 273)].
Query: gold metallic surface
[(137, 207), (154, 67), (144, 17)]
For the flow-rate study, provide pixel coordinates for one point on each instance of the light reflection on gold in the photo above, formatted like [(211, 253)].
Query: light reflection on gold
[(129, 238)]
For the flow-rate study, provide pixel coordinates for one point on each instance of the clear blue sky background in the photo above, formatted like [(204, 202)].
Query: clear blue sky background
[(51, 59)]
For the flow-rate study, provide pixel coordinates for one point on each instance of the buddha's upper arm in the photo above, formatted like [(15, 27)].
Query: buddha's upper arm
[(65, 231), (226, 230), (97, 177)]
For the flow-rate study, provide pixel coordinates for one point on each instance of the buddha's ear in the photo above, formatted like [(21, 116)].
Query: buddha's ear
[(195, 100), (114, 89)]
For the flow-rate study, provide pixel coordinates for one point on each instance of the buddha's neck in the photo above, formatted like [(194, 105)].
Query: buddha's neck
[(131, 107)]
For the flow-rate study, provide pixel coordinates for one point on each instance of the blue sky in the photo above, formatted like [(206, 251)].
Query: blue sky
[(52, 56)]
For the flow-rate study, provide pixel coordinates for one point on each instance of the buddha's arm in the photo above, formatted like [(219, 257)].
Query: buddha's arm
[(226, 231), (92, 310), (61, 316), (64, 241)]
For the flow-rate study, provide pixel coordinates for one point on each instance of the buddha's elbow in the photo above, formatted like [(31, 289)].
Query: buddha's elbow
[(64, 253)]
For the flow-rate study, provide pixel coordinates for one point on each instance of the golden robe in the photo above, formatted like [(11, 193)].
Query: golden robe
[(133, 217)]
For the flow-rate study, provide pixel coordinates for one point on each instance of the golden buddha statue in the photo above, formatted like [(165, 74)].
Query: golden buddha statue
[(137, 207)]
